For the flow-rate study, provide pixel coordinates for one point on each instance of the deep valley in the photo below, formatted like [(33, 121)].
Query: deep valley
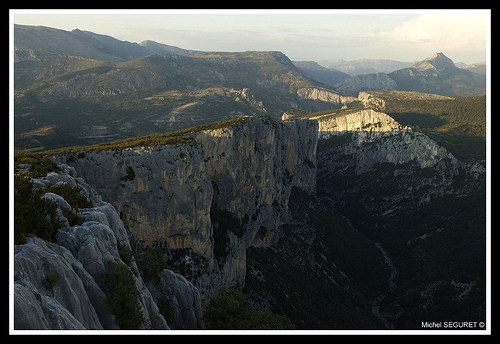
[(159, 188)]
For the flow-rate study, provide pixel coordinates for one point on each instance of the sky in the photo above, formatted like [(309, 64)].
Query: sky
[(303, 35)]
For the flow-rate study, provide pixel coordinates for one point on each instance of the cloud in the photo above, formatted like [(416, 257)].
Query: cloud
[(399, 35), (455, 31)]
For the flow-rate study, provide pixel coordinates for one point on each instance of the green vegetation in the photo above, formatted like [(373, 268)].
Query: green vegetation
[(142, 141), (445, 114), (71, 195), (122, 295), (458, 124), (150, 262), (441, 244), (165, 308), (33, 214), (321, 274), (39, 165), (51, 280), (230, 311), (169, 138)]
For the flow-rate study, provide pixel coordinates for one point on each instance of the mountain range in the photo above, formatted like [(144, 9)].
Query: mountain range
[(374, 66), (104, 80), (40, 42), (364, 66), (436, 74)]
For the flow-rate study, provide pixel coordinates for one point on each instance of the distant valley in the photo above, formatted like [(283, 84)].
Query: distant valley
[(78, 87), (96, 94)]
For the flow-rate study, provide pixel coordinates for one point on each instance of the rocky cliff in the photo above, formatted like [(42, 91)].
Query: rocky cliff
[(418, 201), (206, 203), (366, 120), (159, 192), (377, 138), (368, 154), (62, 284), (324, 95), (253, 167), (168, 193)]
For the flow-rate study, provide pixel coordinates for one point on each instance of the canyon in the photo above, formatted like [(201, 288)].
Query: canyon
[(180, 197), (151, 181), (168, 192)]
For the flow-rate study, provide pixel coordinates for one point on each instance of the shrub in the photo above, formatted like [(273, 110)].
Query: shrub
[(40, 165), (51, 280), (33, 215), (71, 195), (122, 295), (36, 216), (150, 262), (231, 312), (165, 307)]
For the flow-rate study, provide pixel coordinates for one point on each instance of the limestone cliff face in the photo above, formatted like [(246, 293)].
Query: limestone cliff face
[(159, 192), (370, 100), (366, 120), (253, 167), (378, 138), (361, 148), (324, 95), (167, 193), (59, 285)]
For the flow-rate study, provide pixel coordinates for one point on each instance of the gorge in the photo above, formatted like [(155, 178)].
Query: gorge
[(219, 204)]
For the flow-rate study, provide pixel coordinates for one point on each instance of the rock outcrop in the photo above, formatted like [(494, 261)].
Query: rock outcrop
[(324, 95), (167, 193), (59, 285), (366, 120), (370, 100), (185, 300), (253, 167), (365, 145), (74, 302), (159, 192), (382, 138)]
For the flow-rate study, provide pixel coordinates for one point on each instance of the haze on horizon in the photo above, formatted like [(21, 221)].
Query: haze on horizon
[(303, 35)]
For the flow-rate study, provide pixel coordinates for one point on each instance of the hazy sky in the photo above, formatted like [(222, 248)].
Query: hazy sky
[(408, 35)]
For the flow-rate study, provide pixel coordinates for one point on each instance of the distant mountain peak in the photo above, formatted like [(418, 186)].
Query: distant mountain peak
[(438, 62)]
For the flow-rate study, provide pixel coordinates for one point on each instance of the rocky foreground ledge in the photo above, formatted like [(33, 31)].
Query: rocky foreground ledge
[(60, 285)]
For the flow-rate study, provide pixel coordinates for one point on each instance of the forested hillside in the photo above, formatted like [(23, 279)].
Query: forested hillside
[(459, 124)]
